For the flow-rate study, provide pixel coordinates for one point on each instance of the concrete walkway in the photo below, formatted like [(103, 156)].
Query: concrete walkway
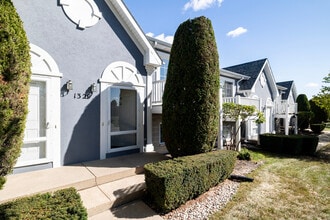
[(85, 177)]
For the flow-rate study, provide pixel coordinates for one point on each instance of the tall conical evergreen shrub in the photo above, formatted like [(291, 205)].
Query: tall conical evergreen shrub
[(191, 96), (304, 111), (14, 86)]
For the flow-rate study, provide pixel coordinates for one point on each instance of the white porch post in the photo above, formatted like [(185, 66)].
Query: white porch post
[(220, 134), (149, 147), (238, 129), (286, 118)]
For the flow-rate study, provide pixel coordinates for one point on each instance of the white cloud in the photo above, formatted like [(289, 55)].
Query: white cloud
[(312, 85), (162, 37), (150, 34), (197, 5), (237, 32), (168, 39)]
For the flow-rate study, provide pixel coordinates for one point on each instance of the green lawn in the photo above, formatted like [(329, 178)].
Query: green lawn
[(283, 188)]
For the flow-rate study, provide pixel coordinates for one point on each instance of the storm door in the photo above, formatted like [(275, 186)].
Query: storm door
[(34, 149), (123, 118)]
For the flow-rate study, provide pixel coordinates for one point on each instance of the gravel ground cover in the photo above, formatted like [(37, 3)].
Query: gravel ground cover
[(214, 199)]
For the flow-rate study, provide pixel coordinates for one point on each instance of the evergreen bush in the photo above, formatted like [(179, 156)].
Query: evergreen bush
[(63, 204), (171, 183), (304, 112), (320, 114), (289, 144), (14, 86), (191, 95)]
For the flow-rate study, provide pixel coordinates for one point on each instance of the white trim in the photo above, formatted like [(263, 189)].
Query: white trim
[(42, 63), (84, 13), (45, 69), (135, 32)]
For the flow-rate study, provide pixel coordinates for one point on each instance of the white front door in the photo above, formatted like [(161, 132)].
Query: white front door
[(35, 147), (41, 142)]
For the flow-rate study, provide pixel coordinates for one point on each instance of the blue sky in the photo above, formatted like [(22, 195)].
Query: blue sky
[(293, 34)]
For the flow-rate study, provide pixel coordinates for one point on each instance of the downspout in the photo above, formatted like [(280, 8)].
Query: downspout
[(237, 86)]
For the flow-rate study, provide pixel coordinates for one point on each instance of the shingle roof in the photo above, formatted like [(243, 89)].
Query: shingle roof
[(251, 69), (288, 85)]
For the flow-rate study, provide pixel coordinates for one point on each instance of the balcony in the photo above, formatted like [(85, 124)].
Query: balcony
[(283, 107), (157, 92), (157, 96), (243, 101)]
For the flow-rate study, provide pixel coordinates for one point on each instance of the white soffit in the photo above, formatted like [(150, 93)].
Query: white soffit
[(84, 13), (133, 29)]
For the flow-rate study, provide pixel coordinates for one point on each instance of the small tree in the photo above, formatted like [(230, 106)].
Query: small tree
[(14, 86), (319, 116), (323, 98), (232, 111), (191, 95), (304, 112)]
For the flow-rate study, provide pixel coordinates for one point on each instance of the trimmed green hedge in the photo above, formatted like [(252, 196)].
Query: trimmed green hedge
[(63, 204), (289, 144), (171, 183)]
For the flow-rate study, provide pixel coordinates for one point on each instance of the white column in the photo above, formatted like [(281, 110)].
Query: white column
[(238, 136), (149, 146), (220, 134), (287, 120)]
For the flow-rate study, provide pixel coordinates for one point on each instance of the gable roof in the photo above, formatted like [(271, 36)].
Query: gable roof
[(250, 69), (289, 85), (253, 70), (128, 22)]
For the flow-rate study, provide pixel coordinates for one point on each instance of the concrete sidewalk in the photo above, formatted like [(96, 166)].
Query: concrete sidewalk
[(84, 177)]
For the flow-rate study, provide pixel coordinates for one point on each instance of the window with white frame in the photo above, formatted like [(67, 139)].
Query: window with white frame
[(163, 69), (227, 89)]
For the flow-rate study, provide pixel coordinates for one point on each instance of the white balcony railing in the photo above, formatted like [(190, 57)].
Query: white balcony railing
[(157, 92), (284, 107), (281, 107), (243, 101)]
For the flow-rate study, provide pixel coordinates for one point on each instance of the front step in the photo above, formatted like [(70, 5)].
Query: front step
[(102, 184), (112, 194)]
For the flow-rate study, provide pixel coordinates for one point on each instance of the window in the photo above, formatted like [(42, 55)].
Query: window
[(163, 69), (227, 89)]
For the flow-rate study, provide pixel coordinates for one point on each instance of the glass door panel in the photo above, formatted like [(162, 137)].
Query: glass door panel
[(35, 140), (123, 117)]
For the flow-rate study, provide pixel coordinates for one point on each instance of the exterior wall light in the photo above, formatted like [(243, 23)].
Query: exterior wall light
[(93, 88), (69, 85)]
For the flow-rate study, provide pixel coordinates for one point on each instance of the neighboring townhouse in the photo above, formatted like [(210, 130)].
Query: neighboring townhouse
[(251, 83), (90, 94), (286, 108), (158, 84), (259, 88)]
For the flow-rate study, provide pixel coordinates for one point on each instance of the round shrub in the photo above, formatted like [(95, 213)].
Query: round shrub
[(320, 114), (191, 95), (14, 86), (318, 128)]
